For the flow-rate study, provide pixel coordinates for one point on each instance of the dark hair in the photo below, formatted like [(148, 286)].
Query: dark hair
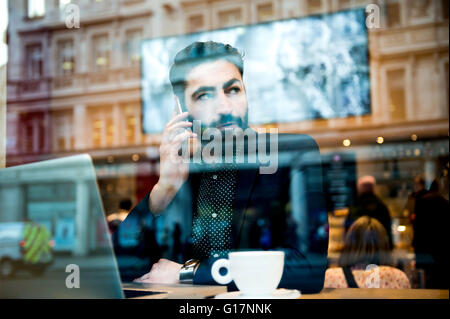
[(198, 53), (366, 242), (125, 204)]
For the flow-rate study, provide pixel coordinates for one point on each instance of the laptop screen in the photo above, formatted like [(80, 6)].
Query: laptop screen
[(54, 241)]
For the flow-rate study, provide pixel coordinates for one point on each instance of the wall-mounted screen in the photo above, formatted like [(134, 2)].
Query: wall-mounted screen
[(314, 67)]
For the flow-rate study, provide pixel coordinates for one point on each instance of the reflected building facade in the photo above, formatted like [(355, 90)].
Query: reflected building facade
[(77, 90)]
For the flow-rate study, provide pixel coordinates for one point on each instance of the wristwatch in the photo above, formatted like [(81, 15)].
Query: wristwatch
[(188, 270)]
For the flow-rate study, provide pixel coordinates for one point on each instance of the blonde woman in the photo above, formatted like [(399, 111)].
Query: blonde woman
[(365, 259)]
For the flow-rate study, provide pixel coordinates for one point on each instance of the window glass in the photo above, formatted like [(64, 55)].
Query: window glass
[(356, 118)]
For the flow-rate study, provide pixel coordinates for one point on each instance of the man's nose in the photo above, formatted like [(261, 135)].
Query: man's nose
[(224, 104)]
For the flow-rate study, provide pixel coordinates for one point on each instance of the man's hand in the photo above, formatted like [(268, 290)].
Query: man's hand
[(173, 171), (162, 272)]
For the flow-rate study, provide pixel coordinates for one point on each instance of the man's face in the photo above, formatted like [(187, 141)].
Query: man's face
[(215, 95)]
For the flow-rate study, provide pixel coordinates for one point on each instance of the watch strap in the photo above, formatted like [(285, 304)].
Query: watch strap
[(188, 270)]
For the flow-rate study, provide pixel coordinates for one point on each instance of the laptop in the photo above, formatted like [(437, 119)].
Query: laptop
[(54, 238)]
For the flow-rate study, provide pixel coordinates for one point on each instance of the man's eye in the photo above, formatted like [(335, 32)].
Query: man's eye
[(204, 96), (234, 90)]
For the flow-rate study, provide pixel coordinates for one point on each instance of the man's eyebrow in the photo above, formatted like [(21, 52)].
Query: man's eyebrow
[(229, 83), (212, 88), (202, 89)]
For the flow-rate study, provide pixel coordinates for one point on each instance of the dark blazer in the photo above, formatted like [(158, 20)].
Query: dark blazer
[(289, 203)]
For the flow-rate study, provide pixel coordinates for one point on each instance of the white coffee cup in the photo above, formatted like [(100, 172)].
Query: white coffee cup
[(254, 272)]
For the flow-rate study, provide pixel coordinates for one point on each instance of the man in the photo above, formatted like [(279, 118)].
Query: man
[(419, 192), (235, 206), (430, 237), (368, 204)]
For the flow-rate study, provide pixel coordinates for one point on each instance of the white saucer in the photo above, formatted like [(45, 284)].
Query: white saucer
[(278, 294)]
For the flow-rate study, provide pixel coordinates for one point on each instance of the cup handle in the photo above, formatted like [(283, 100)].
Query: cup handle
[(221, 263)]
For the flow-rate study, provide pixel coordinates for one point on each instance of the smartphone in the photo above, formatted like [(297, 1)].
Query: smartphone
[(179, 110), (192, 142)]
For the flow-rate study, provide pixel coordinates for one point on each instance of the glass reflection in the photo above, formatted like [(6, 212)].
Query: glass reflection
[(75, 91)]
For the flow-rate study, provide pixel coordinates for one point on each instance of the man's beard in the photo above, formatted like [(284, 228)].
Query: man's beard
[(224, 119), (229, 119), (239, 124)]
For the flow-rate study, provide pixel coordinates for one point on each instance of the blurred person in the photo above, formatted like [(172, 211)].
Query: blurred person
[(207, 81), (165, 242), (366, 243), (115, 219), (430, 237), (419, 191), (125, 205), (148, 245), (369, 204), (177, 251)]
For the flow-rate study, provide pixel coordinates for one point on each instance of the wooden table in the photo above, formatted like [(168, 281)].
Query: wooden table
[(184, 291), (378, 293)]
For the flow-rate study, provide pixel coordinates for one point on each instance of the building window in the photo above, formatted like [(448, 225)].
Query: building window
[(314, 6), (349, 4), (62, 131), (396, 94), (195, 23), (444, 9), (97, 132), (66, 57), (34, 63), (102, 126), (132, 116), (35, 9), (101, 52), (133, 46), (130, 132), (264, 12), (110, 129), (27, 137), (32, 132), (344, 4), (419, 9), (393, 14), (230, 18), (131, 129)]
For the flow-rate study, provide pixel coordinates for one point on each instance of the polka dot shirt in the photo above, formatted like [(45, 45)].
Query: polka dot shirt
[(212, 221)]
